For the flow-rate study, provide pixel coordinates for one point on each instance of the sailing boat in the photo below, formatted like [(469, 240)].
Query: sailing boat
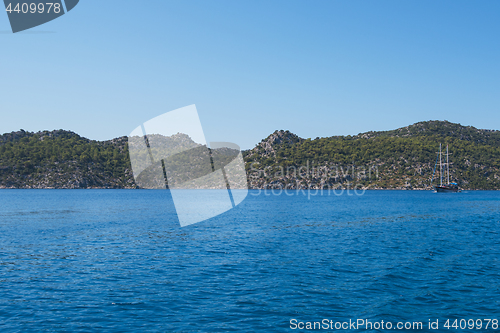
[(449, 187)]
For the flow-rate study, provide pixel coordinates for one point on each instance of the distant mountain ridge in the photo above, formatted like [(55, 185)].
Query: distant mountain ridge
[(397, 159)]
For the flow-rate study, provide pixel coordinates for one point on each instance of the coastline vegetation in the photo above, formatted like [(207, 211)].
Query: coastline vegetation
[(403, 158)]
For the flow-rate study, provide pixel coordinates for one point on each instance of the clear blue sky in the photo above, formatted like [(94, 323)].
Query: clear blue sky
[(316, 68)]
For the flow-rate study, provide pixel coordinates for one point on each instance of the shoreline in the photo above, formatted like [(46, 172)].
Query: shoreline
[(250, 189)]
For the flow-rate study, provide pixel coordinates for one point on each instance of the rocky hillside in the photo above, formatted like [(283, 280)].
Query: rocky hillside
[(63, 159), (440, 129), (399, 159)]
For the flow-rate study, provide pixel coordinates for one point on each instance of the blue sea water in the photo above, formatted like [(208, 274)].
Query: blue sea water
[(117, 261)]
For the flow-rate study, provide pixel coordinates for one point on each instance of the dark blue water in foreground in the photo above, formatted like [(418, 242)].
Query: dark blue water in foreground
[(117, 261)]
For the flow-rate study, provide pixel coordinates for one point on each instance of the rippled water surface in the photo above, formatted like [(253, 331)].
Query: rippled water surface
[(117, 260)]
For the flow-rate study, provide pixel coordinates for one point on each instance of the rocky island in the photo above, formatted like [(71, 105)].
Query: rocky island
[(397, 159)]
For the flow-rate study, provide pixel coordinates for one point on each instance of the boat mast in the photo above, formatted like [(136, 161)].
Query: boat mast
[(447, 164), (440, 167)]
